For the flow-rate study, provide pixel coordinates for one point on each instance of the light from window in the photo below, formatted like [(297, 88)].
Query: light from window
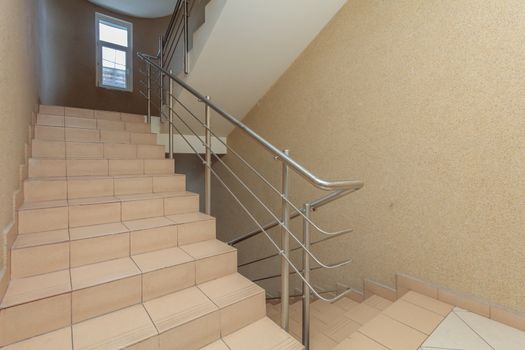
[(114, 53)]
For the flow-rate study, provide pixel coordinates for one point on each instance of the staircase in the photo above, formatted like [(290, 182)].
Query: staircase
[(112, 252)]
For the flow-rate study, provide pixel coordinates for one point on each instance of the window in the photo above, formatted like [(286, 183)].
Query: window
[(114, 53)]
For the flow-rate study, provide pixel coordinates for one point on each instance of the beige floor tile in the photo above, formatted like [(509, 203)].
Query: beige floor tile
[(47, 167), (181, 204), (78, 122), (150, 152), (41, 238), (51, 109), (105, 298), (27, 289), (160, 259), (144, 139), (31, 319), (169, 183), (43, 205), (148, 344), (345, 304), (358, 341), (208, 248), (133, 185), (392, 334), (143, 224), (40, 259), (466, 302), (116, 330), (42, 190), (50, 120), (197, 231), (218, 345), (428, 303), (147, 240), (414, 316), (87, 167), (362, 313), (178, 308), (104, 272), (79, 112), (159, 166), (89, 188), (193, 334), (94, 214), (132, 118), (93, 231), (126, 167), (189, 217), (261, 335), (84, 150), (142, 209), (30, 221), (48, 149), (82, 135), (341, 330), (214, 259), (49, 133), (110, 136), (94, 250), (138, 127), (115, 125), (92, 200), (120, 151), (56, 340), (378, 302)]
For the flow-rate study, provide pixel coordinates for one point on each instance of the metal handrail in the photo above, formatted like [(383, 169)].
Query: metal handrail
[(280, 252), (299, 169)]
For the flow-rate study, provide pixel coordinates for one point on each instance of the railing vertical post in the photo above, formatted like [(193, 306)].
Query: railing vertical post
[(285, 246), (170, 126), (161, 78), (306, 275), (207, 168), (149, 91), (186, 38)]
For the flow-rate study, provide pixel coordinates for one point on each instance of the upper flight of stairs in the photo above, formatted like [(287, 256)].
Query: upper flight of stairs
[(112, 252)]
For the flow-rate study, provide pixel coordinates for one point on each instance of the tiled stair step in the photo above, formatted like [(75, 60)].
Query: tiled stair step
[(53, 133), (91, 114), (85, 123), (39, 253), (95, 150), (62, 214), (99, 167), (188, 318), (52, 189)]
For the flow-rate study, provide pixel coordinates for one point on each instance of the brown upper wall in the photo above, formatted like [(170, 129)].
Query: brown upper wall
[(68, 50)]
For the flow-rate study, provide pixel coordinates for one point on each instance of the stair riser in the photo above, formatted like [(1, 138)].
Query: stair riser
[(90, 114), (48, 219), (50, 133), (242, 313), (35, 191), (85, 123), (213, 267), (43, 168), (192, 335)]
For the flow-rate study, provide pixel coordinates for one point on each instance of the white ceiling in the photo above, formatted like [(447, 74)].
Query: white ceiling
[(139, 8)]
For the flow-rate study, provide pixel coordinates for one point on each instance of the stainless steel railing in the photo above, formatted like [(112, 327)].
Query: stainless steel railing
[(175, 113)]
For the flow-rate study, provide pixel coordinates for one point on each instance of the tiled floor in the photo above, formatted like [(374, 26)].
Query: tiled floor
[(414, 322), (465, 330)]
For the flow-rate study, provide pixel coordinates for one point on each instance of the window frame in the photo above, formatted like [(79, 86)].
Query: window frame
[(112, 21)]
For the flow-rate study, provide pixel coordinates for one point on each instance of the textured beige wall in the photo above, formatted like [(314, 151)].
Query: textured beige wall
[(18, 96), (424, 101)]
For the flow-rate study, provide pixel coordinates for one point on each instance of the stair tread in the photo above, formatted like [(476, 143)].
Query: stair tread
[(207, 248), (175, 309), (160, 259), (261, 335), (98, 177), (85, 232), (230, 289), (189, 217), (218, 345), (40, 238), (57, 340), (33, 288), (149, 223), (115, 330), (103, 272), (108, 199)]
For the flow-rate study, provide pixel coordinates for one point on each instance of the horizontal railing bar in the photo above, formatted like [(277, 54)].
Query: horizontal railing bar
[(298, 168), (291, 250), (279, 275), (300, 295), (297, 211)]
